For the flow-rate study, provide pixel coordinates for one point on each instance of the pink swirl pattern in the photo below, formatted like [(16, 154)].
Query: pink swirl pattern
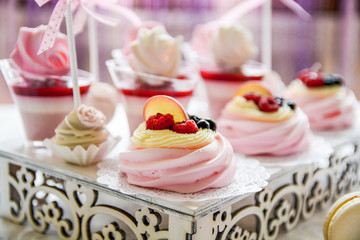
[(270, 138), (55, 61), (181, 170), (334, 112), (90, 116)]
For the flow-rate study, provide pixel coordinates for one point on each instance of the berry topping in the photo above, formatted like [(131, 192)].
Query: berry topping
[(212, 124), (268, 104), (188, 126), (203, 124), (194, 117), (254, 88), (311, 78), (291, 104), (280, 100), (160, 122), (332, 79), (252, 96)]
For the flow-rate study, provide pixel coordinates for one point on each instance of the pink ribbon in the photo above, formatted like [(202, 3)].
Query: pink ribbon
[(249, 5), (82, 8)]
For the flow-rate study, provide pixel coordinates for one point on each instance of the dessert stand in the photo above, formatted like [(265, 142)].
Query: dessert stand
[(55, 197)]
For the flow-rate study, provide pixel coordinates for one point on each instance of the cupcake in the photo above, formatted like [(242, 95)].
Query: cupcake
[(176, 152), (257, 123), (225, 54), (325, 100), (81, 137)]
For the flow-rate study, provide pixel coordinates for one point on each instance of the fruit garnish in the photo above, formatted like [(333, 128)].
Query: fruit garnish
[(254, 88), (160, 122), (332, 79), (268, 104), (291, 104), (165, 105), (203, 123), (188, 126), (314, 78), (252, 96)]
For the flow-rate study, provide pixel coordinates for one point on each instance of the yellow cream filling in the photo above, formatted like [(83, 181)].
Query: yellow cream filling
[(248, 109), (143, 138), (298, 89)]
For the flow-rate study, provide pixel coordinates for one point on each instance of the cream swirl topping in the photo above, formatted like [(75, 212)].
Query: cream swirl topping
[(54, 61), (143, 138), (232, 46), (79, 129), (248, 109), (156, 52)]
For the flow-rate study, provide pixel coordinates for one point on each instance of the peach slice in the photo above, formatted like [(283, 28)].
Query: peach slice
[(253, 87), (164, 104)]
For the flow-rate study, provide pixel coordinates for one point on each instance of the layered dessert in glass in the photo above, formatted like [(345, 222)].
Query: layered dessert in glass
[(41, 85), (154, 67)]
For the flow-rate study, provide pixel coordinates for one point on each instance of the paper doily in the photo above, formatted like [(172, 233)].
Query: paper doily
[(250, 177), (318, 153)]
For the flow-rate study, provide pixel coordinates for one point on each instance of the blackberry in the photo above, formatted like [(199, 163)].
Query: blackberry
[(203, 124), (291, 104), (195, 118), (279, 100), (212, 124), (332, 79)]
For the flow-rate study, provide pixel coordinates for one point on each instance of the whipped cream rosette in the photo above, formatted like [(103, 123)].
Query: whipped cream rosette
[(325, 100), (257, 123), (81, 137), (54, 61), (171, 151)]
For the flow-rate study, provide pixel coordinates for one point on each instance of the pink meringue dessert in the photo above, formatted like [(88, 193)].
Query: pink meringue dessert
[(257, 123), (153, 67), (224, 58), (176, 152), (325, 100), (41, 86)]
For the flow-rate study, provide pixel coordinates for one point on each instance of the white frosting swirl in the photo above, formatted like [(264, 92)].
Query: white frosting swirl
[(54, 61), (156, 52), (232, 46), (90, 116), (181, 170)]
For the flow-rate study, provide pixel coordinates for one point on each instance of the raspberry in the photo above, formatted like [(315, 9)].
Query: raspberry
[(311, 78), (268, 104), (252, 96), (188, 126), (160, 122)]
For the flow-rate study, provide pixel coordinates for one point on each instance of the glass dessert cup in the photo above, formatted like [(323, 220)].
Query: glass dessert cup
[(222, 85), (42, 101), (135, 88)]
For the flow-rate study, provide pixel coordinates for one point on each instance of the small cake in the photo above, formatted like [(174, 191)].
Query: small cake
[(83, 127), (255, 122), (324, 98), (172, 151), (225, 54), (81, 137), (342, 220)]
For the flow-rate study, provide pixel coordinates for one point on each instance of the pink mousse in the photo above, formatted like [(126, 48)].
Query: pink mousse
[(252, 137), (181, 170), (329, 113)]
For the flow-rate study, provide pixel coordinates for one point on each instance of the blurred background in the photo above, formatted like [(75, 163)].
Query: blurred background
[(331, 38)]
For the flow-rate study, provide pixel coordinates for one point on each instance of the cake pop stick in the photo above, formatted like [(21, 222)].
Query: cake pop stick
[(72, 55)]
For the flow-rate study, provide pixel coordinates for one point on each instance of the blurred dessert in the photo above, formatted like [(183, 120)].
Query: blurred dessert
[(225, 63), (324, 98), (154, 67), (255, 122), (171, 151), (40, 84)]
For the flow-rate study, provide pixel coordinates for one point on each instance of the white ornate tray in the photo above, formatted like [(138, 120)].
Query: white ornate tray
[(52, 196)]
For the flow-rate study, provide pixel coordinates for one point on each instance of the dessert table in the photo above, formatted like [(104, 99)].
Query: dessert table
[(66, 201)]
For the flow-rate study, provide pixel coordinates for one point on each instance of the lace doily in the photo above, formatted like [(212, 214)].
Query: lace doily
[(318, 153), (250, 177)]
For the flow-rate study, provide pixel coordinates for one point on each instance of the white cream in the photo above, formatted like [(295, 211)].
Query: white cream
[(156, 52), (232, 45)]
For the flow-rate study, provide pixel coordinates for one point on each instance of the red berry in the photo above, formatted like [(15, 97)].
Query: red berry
[(268, 104), (253, 96), (160, 122), (311, 78), (188, 126)]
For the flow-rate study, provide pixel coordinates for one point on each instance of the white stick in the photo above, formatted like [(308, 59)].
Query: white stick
[(72, 52), (93, 47), (266, 44)]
